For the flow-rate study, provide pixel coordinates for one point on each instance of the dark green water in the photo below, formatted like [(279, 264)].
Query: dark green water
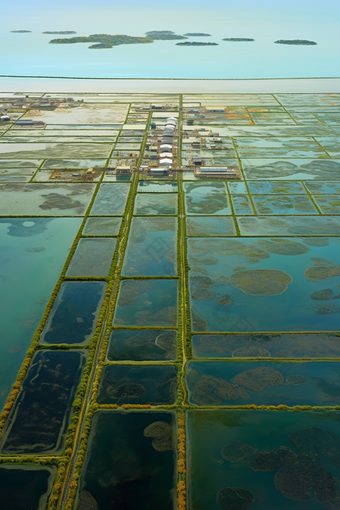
[(143, 344), (147, 384), (35, 485), (93, 257), (39, 419), (125, 469), (74, 314), (316, 443)]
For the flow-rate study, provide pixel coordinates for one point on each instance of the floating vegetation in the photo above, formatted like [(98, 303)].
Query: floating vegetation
[(251, 352), (129, 390), (225, 300), (237, 452), (261, 282), (238, 39), (271, 461), (298, 42), (283, 246), (295, 380), (162, 433), (202, 294), (322, 270), (207, 390), (234, 498), (319, 442), (324, 295), (86, 501), (259, 379)]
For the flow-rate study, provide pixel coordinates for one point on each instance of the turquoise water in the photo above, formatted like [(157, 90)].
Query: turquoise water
[(30, 54), (250, 285), (311, 435), (33, 252)]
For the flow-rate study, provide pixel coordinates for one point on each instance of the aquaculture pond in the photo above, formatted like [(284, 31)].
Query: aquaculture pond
[(142, 345), (263, 460), (131, 457), (206, 198), (93, 257), (214, 383), (147, 384), (110, 199), (29, 246), (24, 486), (156, 204), (74, 314), (147, 303), (206, 226), (151, 249), (102, 226), (287, 345), (47, 391)]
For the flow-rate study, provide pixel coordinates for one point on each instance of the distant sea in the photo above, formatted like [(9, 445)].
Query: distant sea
[(30, 54)]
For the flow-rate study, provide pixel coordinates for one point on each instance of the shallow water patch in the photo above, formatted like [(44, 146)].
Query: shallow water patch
[(156, 204), (205, 198), (210, 226), (102, 226), (142, 345), (111, 199), (289, 225)]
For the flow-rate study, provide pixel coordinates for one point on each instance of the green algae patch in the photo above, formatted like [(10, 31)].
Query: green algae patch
[(261, 282), (259, 379), (295, 380), (283, 246), (162, 435), (322, 270), (237, 452)]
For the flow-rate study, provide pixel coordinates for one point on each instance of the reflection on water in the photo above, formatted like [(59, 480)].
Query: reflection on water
[(272, 459), (144, 344)]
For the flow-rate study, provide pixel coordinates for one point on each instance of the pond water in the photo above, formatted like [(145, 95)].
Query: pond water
[(271, 459), (276, 284), (214, 383), (206, 198), (157, 187), (29, 247), (93, 257), (298, 345), (147, 303), (206, 226), (35, 485), (130, 458), (45, 199), (49, 389), (289, 225), (111, 199), (155, 204), (147, 384), (102, 226), (74, 314), (144, 344), (151, 250)]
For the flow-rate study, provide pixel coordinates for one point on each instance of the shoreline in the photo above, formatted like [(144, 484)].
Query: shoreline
[(173, 86)]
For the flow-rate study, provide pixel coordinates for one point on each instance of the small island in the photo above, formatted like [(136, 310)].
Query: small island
[(197, 34), (61, 32), (196, 44), (164, 35), (238, 39), (300, 42), (103, 40), (21, 31)]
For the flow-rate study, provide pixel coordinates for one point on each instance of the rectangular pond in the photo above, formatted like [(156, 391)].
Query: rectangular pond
[(259, 284), (152, 247), (214, 383), (93, 257), (38, 422), (205, 198), (147, 384), (111, 199), (131, 457), (102, 226), (34, 483), (156, 204), (74, 314), (286, 345), (142, 345)]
